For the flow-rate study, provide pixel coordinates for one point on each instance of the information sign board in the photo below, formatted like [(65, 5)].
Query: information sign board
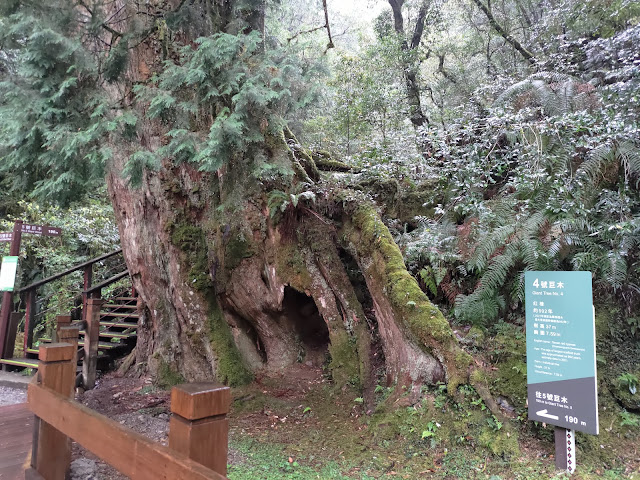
[(41, 230), (6, 236), (8, 273), (561, 350)]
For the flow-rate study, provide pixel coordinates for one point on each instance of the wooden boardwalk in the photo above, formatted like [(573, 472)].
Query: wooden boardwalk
[(16, 432)]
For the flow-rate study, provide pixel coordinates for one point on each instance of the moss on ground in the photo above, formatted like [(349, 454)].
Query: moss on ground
[(327, 434), (509, 379)]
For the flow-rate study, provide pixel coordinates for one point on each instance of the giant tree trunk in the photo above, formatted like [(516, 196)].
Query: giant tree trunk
[(231, 291)]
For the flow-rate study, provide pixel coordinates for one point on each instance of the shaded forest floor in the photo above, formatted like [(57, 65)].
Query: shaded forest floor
[(297, 425)]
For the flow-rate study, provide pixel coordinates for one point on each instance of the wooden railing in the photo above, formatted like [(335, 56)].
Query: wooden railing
[(198, 430), (30, 293)]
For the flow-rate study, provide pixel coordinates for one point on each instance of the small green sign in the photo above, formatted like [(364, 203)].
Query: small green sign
[(8, 273), (561, 350)]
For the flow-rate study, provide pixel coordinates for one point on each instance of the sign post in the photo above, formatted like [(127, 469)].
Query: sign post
[(7, 297), (561, 357)]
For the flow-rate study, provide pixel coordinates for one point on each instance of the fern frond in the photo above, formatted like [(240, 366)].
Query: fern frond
[(499, 269), (629, 155), (488, 246), (615, 270), (597, 161)]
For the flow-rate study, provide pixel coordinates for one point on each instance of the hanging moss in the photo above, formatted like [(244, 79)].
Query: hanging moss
[(191, 241), (231, 368)]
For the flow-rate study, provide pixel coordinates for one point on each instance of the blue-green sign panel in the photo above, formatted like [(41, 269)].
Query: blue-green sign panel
[(561, 353), (8, 273)]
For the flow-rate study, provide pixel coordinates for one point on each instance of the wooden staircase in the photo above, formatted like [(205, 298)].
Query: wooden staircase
[(118, 321), (118, 334)]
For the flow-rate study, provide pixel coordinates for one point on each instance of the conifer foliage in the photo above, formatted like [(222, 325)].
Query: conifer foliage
[(53, 113)]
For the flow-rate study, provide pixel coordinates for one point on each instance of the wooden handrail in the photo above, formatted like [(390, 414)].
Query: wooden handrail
[(127, 451), (106, 283), (198, 434), (80, 266)]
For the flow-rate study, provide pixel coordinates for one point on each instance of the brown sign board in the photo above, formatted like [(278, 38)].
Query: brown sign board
[(6, 236), (41, 230)]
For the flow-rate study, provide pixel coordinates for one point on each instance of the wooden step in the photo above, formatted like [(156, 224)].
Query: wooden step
[(116, 306), (103, 345), (119, 315), (126, 299), (119, 324), (118, 335), (20, 362)]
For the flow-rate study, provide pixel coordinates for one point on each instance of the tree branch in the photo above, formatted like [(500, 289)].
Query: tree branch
[(304, 32), (442, 71), (326, 21), (315, 29), (508, 37), (419, 30), (113, 32)]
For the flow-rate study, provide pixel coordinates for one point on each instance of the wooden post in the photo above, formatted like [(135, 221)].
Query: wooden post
[(7, 297), (61, 321), (91, 338), (88, 279), (70, 335), (51, 454), (12, 331), (199, 427), (29, 319)]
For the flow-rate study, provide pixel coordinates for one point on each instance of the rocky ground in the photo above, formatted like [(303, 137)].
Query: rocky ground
[(11, 396)]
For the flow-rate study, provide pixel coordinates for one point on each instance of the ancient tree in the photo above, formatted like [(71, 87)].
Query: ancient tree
[(245, 254)]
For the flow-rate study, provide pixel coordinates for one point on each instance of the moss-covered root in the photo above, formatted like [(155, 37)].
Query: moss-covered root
[(325, 162), (301, 156), (478, 381), (422, 323)]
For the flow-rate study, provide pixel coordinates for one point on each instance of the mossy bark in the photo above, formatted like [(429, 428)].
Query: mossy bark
[(418, 342)]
